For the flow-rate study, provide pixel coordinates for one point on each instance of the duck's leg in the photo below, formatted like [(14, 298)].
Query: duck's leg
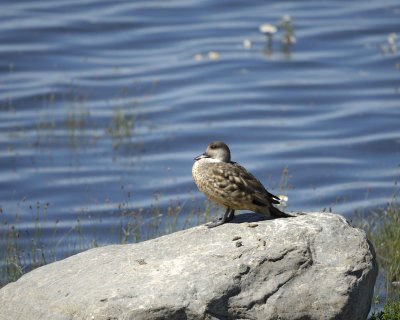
[(228, 216), (231, 215)]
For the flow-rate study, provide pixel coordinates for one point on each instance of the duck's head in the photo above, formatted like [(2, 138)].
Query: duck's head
[(217, 151)]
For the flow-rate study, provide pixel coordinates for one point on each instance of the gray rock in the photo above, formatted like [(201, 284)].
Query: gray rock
[(313, 266)]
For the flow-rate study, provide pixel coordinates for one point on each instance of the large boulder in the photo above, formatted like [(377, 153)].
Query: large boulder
[(313, 266)]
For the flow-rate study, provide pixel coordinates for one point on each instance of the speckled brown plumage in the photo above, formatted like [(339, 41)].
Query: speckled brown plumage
[(229, 184)]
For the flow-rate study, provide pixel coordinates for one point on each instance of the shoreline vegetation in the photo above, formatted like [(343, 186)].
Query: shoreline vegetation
[(19, 255), (24, 249), (383, 230)]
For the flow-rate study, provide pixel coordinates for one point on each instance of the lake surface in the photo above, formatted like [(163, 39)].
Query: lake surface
[(104, 105)]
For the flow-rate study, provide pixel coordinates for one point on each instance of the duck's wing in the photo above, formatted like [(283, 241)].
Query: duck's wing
[(240, 181)]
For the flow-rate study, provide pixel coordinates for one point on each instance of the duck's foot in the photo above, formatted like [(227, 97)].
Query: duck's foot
[(228, 216)]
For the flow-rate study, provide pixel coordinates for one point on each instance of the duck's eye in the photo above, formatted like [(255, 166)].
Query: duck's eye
[(213, 146)]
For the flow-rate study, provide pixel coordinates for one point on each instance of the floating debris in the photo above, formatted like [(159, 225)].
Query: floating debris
[(247, 44), (198, 57), (213, 55), (289, 39), (267, 29), (286, 25), (390, 45), (392, 40)]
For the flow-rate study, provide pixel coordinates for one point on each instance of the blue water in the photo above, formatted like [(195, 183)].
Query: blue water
[(104, 105)]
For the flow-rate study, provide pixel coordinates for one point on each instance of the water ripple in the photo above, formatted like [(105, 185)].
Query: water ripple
[(103, 109)]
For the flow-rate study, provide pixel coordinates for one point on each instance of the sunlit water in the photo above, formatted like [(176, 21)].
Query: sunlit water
[(104, 105)]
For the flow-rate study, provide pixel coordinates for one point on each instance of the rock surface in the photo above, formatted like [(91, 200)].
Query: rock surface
[(313, 266)]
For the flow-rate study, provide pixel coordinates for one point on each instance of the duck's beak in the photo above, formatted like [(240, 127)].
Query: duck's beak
[(203, 155)]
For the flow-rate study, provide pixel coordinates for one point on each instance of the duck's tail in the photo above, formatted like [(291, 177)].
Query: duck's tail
[(276, 213)]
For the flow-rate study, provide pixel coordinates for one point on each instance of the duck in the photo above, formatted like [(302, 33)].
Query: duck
[(230, 185)]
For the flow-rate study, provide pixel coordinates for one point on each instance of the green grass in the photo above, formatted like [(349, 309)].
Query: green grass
[(121, 126), (387, 243), (382, 227), (383, 230), (391, 311), (23, 250)]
